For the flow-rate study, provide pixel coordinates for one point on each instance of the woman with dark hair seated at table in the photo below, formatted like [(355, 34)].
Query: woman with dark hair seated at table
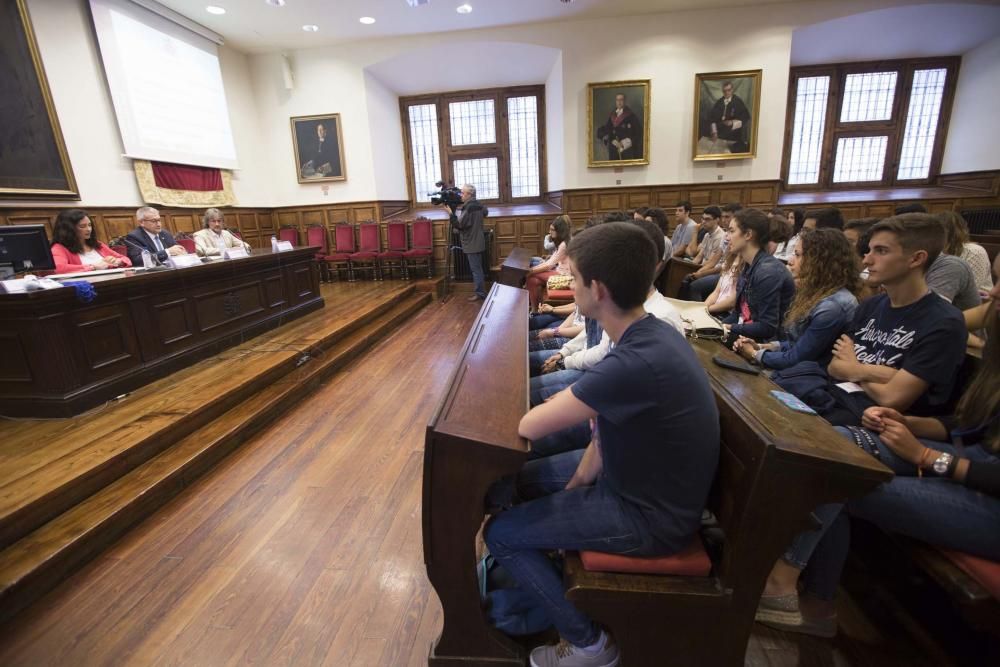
[(75, 246)]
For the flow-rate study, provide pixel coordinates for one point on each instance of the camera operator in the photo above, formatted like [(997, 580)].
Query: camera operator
[(470, 231)]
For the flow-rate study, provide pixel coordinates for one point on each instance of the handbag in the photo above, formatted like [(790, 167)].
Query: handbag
[(559, 282)]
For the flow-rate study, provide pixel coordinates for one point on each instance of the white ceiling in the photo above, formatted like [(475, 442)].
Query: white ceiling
[(252, 26)]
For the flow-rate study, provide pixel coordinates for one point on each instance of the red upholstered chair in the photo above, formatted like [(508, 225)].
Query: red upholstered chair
[(559, 296), (422, 247), (340, 258), (290, 234), (692, 562), (316, 236), (369, 246), (120, 249), (186, 243), (392, 256)]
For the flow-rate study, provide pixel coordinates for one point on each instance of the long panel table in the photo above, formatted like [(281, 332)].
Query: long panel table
[(60, 357)]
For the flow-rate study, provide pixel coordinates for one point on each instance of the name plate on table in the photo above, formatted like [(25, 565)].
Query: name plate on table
[(282, 246), (236, 253), (184, 261)]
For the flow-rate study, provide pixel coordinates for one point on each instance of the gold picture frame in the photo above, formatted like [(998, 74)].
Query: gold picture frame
[(35, 164), (714, 136), (613, 134), (315, 160)]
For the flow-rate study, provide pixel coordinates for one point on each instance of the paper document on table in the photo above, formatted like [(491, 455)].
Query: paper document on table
[(698, 322)]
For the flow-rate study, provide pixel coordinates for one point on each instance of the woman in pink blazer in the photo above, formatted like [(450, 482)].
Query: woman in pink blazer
[(75, 246)]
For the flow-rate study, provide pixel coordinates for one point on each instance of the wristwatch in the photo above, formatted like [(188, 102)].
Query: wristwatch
[(943, 464)]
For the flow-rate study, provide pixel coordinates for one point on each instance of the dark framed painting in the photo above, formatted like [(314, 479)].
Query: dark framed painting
[(319, 148), (33, 159), (726, 110), (618, 123)]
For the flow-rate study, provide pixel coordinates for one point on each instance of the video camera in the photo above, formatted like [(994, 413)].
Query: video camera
[(450, 196)]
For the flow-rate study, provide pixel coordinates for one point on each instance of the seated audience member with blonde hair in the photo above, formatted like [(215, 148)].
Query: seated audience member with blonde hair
[(75, 246), (827, 283), (958, 244), (214, 238)]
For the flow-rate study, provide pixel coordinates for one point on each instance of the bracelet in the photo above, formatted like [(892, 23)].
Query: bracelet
[(920, 463)]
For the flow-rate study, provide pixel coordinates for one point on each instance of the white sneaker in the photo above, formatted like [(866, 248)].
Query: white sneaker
[(565, 654)]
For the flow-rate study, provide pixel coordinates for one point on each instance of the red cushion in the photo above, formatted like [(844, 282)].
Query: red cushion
[(986, 572), (390, 254), (566, 294), (691, 562), (337, 257), (417, 252), (363, 255)]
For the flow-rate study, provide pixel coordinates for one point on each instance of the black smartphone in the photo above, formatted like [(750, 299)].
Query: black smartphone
[(735, 365)]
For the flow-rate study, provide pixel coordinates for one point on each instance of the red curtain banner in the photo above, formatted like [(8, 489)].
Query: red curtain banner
[(184, 177)]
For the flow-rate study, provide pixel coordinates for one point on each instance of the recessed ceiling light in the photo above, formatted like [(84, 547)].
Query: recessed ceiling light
[(367, 20), (212, 9), (275, 3), (464, 9), (310, 28)]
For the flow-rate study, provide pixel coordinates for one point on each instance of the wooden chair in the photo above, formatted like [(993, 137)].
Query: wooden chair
[(422, 247), (343, 236), (290, 234), (316, 236), (369, 246), (396, 245)]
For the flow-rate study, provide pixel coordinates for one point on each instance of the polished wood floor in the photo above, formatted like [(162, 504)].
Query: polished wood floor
[(303, 547)]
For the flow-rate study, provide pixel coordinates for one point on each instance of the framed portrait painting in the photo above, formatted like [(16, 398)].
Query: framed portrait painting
[(726, 109), (33, 159), (319, 148), (618, 123)]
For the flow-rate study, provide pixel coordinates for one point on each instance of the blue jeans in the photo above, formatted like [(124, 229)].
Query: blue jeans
[(478, 277), (543, 321), (536, 359), (700, 289), (548, 518), (550, 384), (933, 510), (535, 261), (568, 439)]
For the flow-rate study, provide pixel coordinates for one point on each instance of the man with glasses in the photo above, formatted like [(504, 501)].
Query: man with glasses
[(150, 235), (698, 285)]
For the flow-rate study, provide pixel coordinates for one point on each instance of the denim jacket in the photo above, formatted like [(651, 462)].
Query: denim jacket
[(812, 337), (768, 288)]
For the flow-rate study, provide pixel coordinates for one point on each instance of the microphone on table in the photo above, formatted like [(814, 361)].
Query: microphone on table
[(142, 248)]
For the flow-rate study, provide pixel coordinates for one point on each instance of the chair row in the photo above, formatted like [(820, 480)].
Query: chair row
[(408, 245)]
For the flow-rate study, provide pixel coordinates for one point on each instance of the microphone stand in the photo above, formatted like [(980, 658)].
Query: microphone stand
[(142, 248)]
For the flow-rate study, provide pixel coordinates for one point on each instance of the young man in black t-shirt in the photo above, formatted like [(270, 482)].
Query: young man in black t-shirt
[(640, 486), (905, 346)]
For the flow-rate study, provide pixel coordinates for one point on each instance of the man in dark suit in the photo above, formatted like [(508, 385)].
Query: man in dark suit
[(151, 236), (622, 133), (321, 156), (729, 120)]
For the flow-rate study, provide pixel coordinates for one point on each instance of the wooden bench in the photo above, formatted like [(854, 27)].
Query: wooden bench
[(515, 267), (775, 467), (673, 275)]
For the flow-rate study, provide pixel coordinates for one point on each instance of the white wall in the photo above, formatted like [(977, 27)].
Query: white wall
[(386, 137), (970, 146), (76, 78)]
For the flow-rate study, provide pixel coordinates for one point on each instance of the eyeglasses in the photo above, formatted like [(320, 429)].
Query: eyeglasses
[(152, 220)]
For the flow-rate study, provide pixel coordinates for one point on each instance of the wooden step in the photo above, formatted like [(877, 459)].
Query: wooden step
[(36, 563), (43, 476)]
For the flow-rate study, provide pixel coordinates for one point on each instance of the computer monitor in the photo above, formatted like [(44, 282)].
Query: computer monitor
[(24, 248)]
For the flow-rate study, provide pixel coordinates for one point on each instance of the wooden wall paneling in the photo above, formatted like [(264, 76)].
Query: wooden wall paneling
[(365, 213), (940, 207), (699, 198), (579, 203), (505, 229), (314, 217), (184, 223), (984, 181), (852, 212), (763, 197), (610, 201), (288, 219), (555, 198), (391, 208), (337, 216), (730, 194), (638, 199), (877, 210), (504, 248)]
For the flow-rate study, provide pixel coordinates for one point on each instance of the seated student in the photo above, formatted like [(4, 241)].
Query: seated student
[(779, 233), (796, 217), (827, 283), (560, 231), (857, 229), (765, 287), (722, 300), (976, 318), (950, 276), (685, 229), (659, 218), (709, 256), (75, 246), (905, 346), (549, 248), (958, 244), (565, 367), (553, 338), (638, 213), (825, 218), (214, 238), (151, 235), (946, 492), (549, 315), (641, 485), (909, 208)]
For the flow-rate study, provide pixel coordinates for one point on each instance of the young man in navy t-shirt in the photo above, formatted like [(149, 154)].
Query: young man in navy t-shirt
[(640, 486), (905, 346)]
